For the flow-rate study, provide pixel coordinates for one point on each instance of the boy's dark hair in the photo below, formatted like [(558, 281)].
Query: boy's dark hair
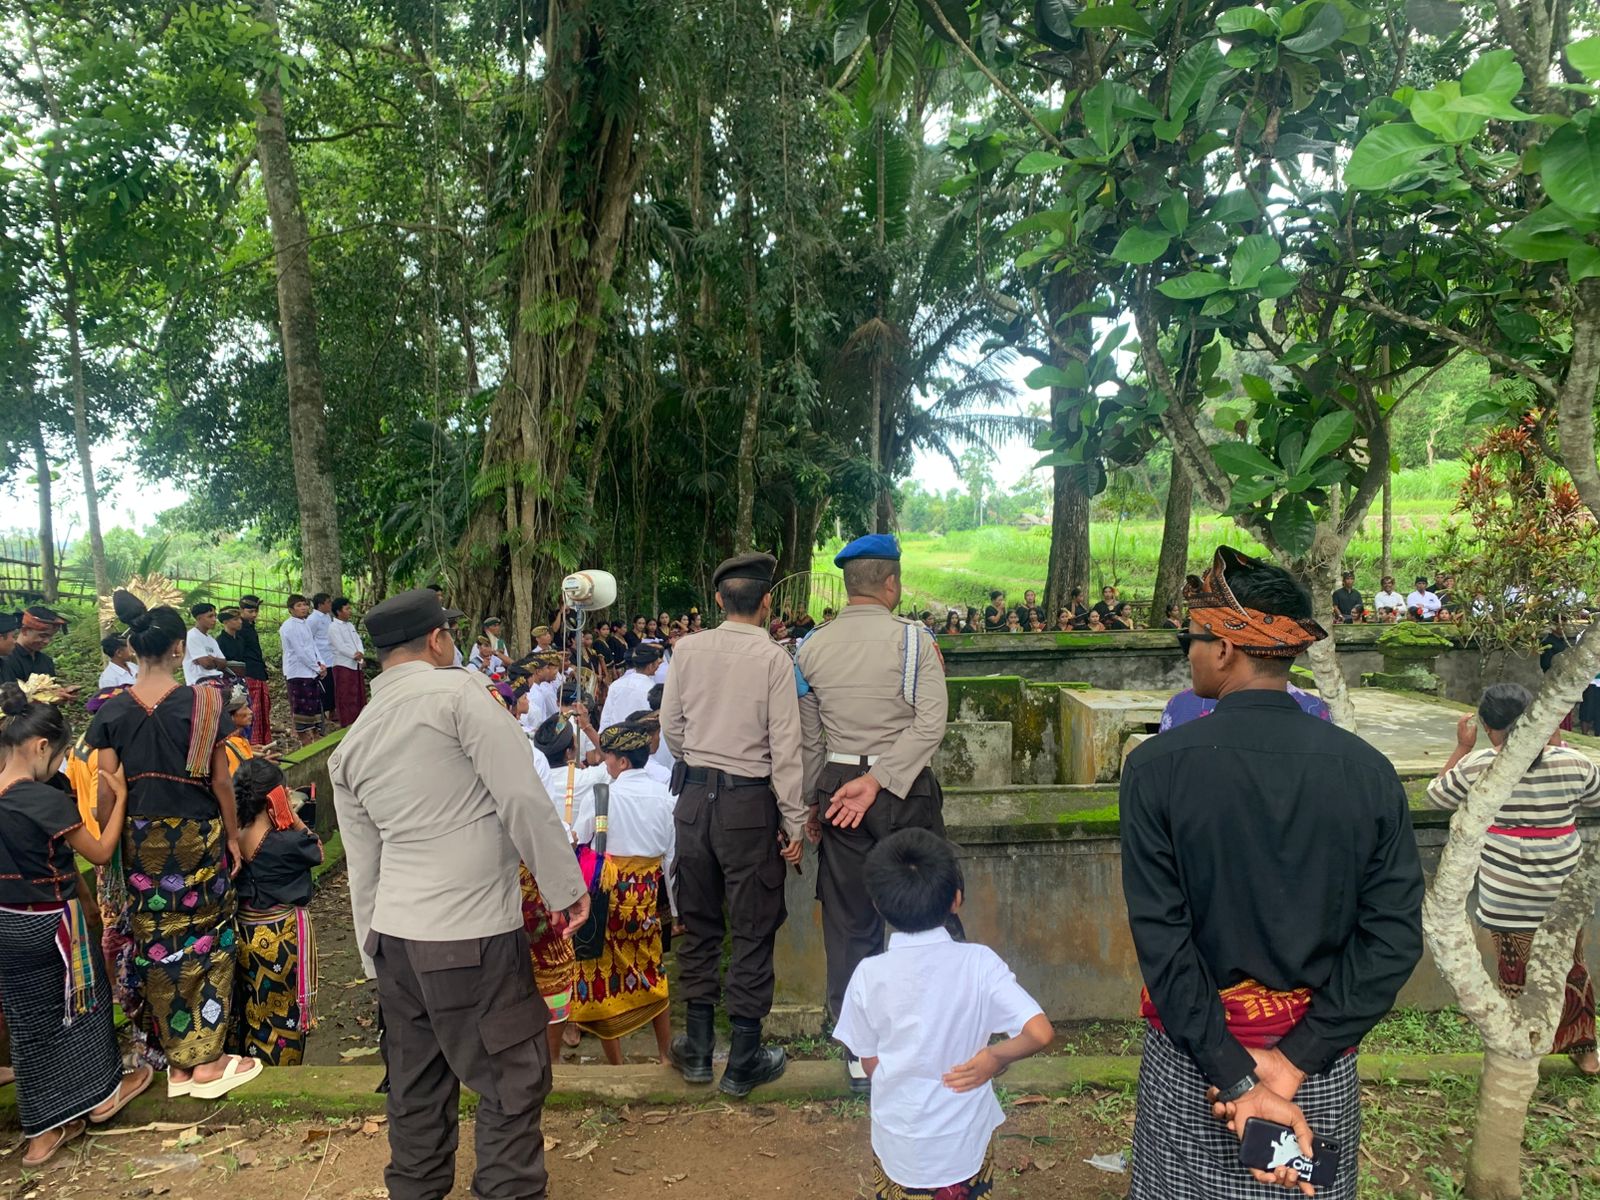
[(249, 601), (1502, 704), (320, 599), (200, 610), (341, 603), (111, 643), (295, 598), (653, 697), (913, 877)]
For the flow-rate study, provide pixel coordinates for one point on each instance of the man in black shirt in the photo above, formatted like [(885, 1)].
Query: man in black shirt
[(244, 645), (28, 657), (1274, 896), (1347, 601)]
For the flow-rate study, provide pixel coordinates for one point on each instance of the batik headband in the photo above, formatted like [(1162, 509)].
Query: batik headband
[(1259, 634), (620, 739), (29, 621)]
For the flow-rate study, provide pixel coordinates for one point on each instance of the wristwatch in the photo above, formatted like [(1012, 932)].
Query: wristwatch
[(1230, 1094)]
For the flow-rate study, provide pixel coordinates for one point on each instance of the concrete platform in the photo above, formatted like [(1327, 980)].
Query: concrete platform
[(1094, 726)]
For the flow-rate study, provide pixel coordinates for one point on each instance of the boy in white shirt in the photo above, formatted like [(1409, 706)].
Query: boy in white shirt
[(919, 1016), (122, 664), (202, 657)]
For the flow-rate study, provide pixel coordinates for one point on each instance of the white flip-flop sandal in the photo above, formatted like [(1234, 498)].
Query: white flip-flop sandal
[(238, 1071), (176, 1090)]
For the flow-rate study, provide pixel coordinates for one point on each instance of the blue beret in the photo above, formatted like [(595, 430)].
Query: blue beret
[(874, 545)]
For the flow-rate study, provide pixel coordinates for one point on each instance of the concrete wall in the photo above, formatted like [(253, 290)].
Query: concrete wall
[(1047, 896), (1149, 660), (308, 768)]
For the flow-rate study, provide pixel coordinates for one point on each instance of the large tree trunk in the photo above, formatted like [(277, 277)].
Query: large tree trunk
[(1173, 565), (1494, 1166), (1386, 562), (1321, 572), (51, 575), (745, 471), (581, 180), (1072, 493), (297, 326)]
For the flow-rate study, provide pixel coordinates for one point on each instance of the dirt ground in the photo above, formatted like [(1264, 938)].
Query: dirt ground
[(780, 1153)]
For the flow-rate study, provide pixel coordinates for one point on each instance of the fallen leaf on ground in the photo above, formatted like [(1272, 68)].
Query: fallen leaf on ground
[(370, 1128), (317, 1133), (622, 1170), (358, 1052), (550, 1143), (673, 1178), (1024, 1101), (246, 1157), (586, 1149)]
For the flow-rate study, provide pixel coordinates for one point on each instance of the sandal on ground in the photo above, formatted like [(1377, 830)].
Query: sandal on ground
[(176, 1089), (71, 1131), (238, 1071), (124, 1095)]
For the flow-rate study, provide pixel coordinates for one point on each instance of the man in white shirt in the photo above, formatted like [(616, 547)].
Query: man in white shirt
[(1422, 603), (122, 664), (632, 691), (303, 670), (1387, 602), (540, 700), (321, 623), (202, 657), (348, 663)]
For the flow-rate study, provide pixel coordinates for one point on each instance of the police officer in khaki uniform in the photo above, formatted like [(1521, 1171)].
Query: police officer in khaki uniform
[(873, 709), (731, 718), (437, 804)]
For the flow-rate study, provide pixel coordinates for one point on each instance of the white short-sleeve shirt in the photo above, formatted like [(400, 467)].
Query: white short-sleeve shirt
[(199, 645), (923, 1006)]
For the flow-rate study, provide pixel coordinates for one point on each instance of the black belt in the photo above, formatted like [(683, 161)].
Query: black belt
[(710, 775)]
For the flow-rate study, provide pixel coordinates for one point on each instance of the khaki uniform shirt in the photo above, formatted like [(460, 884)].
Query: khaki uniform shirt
[(854, 665), (730, 705), (437, 802)]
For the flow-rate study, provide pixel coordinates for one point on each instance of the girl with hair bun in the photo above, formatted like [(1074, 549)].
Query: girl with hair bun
[(182, 835), (65, 1052), (277, 952)]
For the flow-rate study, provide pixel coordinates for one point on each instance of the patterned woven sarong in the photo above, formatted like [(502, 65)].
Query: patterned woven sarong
[(1182, 1152), (980, 1185), (277, 983), (554, 965), (180, 918), (1575, 1033), (625, 988)]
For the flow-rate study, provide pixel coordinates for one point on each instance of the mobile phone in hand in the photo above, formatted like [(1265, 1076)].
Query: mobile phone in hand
[(1266, 1146)]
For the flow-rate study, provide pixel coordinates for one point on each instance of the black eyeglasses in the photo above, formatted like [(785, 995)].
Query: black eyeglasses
[(1187, 639)]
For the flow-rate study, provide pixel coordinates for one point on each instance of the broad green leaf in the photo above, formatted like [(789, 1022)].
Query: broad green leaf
[(1216, 306), (1235, 207), (1300, 352), (1251, 491), (1167, 131), (1439, 112), (852, 31), (1515, 323), (1388, 156), (1207, 237), (1227, 419), (1129, 103), (1244, 460), (1585, 58), (1289, 448), (1140, 245), (1257, 388), (1114, 16), (1255, 254), (1324, 29), (1055, 18), (1293, 525), (1297, 483), (1329, 472), (1174, 214), (1570, 168), (1545, 235), (1098, 103), (1047, 377), (1192, 286), (1198, 65), (1495, 74), (1304, 80), (1276, 283), (1246, 20), (1037, 162), (1583, 263), (1327, 435)]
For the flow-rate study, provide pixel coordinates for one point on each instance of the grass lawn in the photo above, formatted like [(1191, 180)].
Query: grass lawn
[(942, 571)]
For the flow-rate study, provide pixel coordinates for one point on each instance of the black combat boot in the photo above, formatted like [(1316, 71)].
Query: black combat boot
[(749, 1062), (691, 1049)]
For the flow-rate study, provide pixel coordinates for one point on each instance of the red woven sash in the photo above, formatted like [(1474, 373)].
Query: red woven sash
[(1256, 1015)]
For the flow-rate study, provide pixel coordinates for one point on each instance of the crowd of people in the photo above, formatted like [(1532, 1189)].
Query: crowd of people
[(528, 836)]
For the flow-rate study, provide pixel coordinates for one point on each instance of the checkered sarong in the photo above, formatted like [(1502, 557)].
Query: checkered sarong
[(1182, 1152)]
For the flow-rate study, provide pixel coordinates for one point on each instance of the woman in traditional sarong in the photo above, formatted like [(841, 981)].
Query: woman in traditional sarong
[(1530, 850), (626, 987), (52, 984), (277, 949), (176, 848)]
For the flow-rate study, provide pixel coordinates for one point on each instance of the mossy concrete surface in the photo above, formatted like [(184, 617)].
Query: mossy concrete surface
[(327, 1093)]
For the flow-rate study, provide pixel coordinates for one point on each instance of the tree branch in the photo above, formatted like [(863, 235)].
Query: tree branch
[(1575, 401), (1176, 420), (994, 80), (308, 138)]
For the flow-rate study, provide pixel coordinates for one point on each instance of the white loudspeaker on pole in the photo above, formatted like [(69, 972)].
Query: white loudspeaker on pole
[(589, 591)]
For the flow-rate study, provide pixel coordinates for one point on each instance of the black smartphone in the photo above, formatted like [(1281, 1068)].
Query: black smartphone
[(1266, 1146)]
